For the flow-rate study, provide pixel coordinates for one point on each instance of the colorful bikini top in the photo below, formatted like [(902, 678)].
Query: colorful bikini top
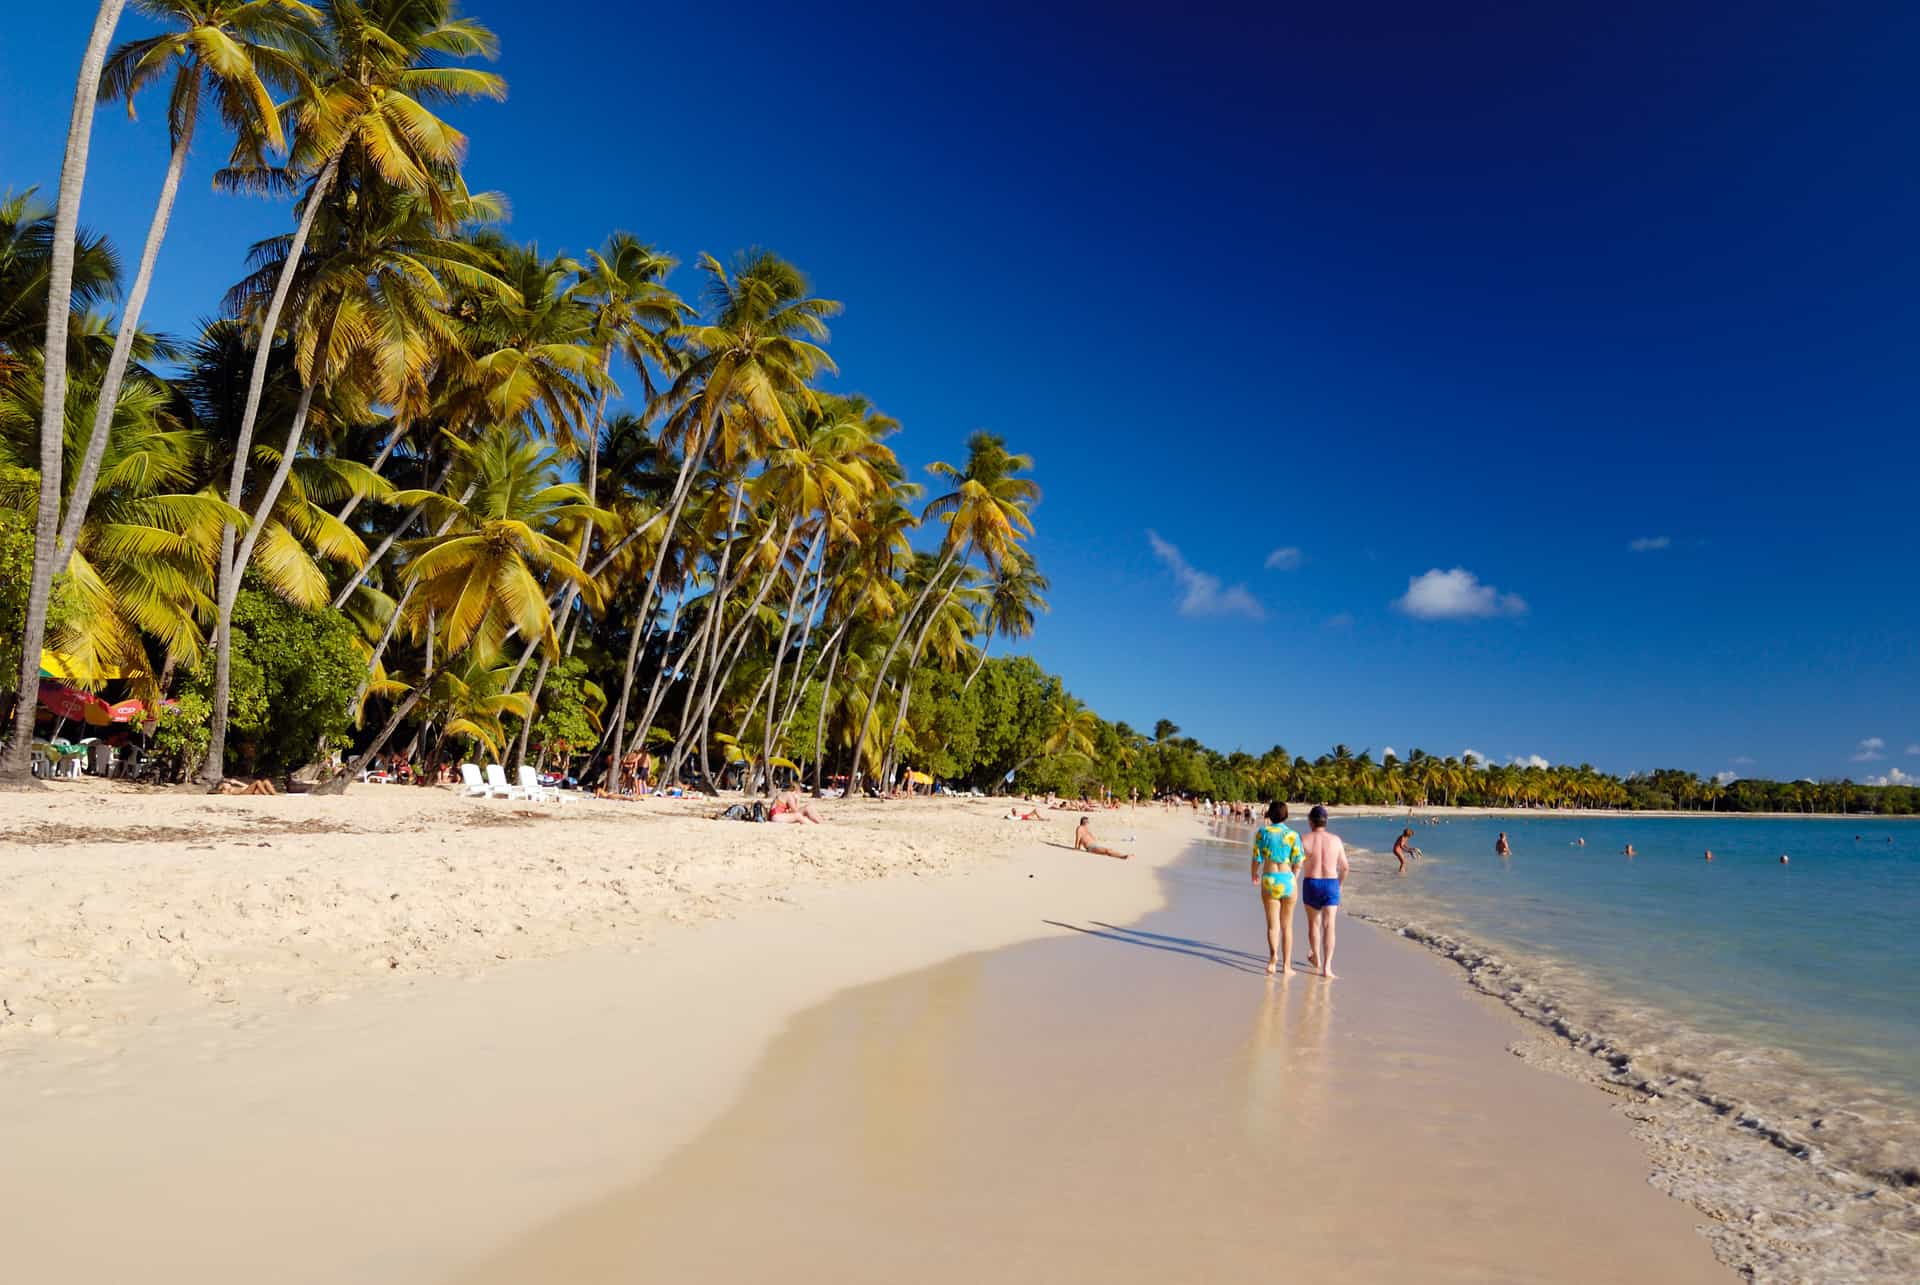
[(1279, 844)]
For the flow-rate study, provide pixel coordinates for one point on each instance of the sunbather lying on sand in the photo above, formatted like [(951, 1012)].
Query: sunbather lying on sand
[(231, 785), (1083, 841)]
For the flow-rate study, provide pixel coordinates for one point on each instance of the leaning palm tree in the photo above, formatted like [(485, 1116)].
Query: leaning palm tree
[(17, 762), (987, 511), (1013, 595), (233, 51), (756, 354), (365, 115), (479, 579)]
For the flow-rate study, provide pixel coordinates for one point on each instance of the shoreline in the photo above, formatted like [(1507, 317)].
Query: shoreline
[(438, 1102), (944, 1126), (1806, 1182)]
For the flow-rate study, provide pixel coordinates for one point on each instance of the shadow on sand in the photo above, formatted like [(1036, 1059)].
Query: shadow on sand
[(1238, 960)]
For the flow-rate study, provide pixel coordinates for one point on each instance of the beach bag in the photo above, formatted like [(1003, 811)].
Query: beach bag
[(755, 811)]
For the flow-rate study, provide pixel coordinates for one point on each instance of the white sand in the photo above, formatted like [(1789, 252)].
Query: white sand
[(230, 1125)]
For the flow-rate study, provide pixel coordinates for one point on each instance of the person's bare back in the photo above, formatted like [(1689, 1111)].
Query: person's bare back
[(1326, 856)]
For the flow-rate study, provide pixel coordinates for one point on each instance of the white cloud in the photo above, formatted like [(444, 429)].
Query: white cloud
[(1479, 759), (1894, 776), (1724, 778), (1287, 559), (1650, 543), (1456, 595), (1529, 760), (1914, 748), (1873, 747), (1387, 751), (1203, 594)]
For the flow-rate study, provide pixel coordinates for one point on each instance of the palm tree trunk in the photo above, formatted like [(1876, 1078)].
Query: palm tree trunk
[(411, 516), (906, 684), (17, 764), (780, 652), (681, 487), (800, 685), (379, 462), (230, 568), (979, 664), (860, 741), (820, 723), (657, 692), (108, 401), (216, 751)]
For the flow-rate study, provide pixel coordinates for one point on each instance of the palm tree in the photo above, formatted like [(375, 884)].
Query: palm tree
[(986, 510), (66, 227), (232, 50), (472, 585), (365, 114), (758, 353), (1014, 594)]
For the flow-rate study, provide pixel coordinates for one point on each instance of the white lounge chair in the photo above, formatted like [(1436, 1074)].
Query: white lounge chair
[(497, 783), (472, 783), (530, 782)]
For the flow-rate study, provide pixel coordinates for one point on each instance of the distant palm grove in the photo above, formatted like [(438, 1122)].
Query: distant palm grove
[(417, 488)]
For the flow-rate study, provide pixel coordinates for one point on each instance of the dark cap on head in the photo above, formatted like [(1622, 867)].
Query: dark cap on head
[(1318, 817)]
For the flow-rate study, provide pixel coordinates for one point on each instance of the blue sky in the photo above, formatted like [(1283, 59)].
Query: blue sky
[(1570, 349)]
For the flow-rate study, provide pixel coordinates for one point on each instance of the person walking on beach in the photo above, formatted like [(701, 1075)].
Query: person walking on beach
[(1276, 865), (1403, 848), (1322, 874), (1083, 842)]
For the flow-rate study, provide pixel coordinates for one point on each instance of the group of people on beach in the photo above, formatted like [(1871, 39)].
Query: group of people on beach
[(1311, 871)]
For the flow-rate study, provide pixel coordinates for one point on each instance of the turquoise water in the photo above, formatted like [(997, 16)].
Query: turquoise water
[(1817, 957)]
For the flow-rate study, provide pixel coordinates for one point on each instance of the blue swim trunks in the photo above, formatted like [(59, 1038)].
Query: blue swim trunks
[(1318, 894)]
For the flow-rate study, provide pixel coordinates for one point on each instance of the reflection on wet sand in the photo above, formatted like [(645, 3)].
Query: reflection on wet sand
[(1098, 1105)]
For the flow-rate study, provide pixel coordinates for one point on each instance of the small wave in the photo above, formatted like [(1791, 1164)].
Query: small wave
[(1805, 1176)]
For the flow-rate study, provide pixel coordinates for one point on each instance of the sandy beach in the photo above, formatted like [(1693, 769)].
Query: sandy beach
[(403, 1036)]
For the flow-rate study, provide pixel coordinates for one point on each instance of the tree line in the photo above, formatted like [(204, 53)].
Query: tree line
[(417, 486), (544, 504)]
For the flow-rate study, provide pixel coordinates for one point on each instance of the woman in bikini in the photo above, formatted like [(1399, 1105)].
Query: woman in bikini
[(1276, 862)]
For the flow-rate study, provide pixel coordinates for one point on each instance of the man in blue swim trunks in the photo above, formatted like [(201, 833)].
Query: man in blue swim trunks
[(1322, 874), (1276, 859)]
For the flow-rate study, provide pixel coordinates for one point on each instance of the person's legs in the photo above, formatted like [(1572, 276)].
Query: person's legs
[(1272, 909), (1313, 937), (1286, 934), (1326, 940)]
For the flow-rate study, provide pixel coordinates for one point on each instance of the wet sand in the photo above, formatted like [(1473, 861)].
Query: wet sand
[(1135, 1102)]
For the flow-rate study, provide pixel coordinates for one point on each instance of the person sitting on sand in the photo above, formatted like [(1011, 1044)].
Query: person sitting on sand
[(1500, 846), (1322, 875), (1083, 842), (791, 809), (1403, 848), (1276, 864)]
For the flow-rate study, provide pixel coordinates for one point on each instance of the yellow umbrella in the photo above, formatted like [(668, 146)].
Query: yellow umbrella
[(67, 669), (920, 778)]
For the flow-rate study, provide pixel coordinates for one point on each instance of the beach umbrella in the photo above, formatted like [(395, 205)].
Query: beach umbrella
[(125, 711), (65, 702), (920, 778)]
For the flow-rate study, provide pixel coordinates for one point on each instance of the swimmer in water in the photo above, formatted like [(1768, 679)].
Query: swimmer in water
[(1709, 854), (1631, 852), (1500, 846)]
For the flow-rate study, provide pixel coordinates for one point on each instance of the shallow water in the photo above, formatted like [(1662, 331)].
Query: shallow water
[(1815, 957)]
